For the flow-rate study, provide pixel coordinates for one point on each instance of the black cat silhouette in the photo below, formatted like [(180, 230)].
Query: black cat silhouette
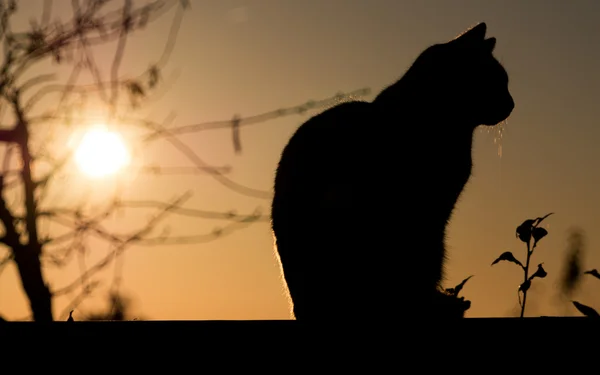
[(364, 191)]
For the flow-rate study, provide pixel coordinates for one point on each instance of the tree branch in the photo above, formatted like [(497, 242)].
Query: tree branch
[(255, 119), (231, 215), (11, 237), (120, 245)]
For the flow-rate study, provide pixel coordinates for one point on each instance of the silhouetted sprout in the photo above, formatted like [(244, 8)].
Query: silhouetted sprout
[(586, 310), (593, 272), (509, 257), (538, 233), (525, 232)]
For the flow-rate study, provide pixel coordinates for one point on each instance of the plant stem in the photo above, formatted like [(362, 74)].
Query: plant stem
[(526, 271)]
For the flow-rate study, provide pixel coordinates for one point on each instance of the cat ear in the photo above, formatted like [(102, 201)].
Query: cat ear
[(489, 44), (475, 34)]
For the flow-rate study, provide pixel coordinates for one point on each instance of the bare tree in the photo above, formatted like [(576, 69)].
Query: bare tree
[(36, 110)]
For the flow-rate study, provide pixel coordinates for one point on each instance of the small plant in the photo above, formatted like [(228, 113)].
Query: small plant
[(527, 231), (586, 310)]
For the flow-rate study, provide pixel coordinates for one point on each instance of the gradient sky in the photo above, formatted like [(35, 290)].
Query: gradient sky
[(249, 57)]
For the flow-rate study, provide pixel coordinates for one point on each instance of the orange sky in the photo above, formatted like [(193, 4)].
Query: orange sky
[(249, 57)]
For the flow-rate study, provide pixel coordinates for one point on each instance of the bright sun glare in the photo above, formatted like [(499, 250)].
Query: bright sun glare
[(101, 153)]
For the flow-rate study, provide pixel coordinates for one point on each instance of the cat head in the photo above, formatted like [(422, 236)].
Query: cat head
[(465, 76)]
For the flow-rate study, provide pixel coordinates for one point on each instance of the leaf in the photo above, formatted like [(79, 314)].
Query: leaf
[(538, 233), (508, 256), (524, 230), (525, 286), (454, 291), (541, 272), (593, 272), (586, 310)]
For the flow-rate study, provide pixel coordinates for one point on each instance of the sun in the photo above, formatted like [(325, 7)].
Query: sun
[(101, 153)]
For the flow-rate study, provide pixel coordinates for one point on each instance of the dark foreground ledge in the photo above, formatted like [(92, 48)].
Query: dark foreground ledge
[(479, 328), (340, 343)]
